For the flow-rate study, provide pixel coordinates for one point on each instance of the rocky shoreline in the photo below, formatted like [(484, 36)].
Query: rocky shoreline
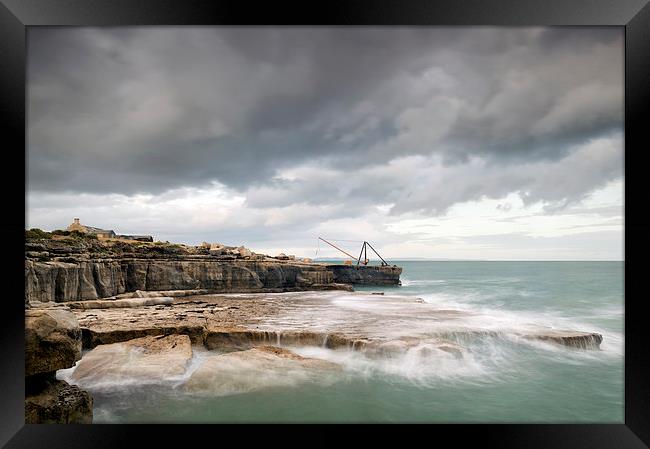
[(225, 322), (88, 274), (258, 328), (247, 306)]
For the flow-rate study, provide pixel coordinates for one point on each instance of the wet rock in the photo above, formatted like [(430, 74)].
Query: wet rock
[(57, 402), (451, 348), (237, 338), (333, 286), (338, 340), (582, 340), (244, 321), (423, 347), (147, 358), (97, 333), (258, 368)]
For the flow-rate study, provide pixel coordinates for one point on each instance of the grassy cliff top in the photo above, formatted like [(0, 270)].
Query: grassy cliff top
[(43, 246)]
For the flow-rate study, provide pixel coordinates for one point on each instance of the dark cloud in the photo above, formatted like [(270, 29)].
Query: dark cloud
[(131, 110)]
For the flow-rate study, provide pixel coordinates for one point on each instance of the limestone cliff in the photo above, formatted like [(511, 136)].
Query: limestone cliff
[(366, 275), (77, 269)]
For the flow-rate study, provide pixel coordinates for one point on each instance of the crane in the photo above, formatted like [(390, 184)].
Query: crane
[(364, 253)]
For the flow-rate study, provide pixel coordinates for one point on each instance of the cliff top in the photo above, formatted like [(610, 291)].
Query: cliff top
[(73, 245)]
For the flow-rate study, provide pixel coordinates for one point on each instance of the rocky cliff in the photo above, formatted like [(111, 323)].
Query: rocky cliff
[(93, 279), (365, 275), (73, 269), (53, 342)]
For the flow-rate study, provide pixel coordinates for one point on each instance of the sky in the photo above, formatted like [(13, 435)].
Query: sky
[(428, 142)]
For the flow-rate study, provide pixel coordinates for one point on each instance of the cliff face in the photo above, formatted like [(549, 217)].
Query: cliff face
[(366, 275), (64, 281), (74, 270)]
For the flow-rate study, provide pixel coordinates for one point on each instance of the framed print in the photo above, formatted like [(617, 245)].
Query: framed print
[(361, 213)]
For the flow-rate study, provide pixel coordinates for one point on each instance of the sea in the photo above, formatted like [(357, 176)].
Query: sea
[(499, 380)]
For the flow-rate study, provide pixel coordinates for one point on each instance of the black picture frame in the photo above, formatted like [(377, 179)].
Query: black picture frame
[(634, 15)]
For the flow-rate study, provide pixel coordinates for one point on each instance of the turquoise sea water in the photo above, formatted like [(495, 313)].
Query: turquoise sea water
[(500, 381)]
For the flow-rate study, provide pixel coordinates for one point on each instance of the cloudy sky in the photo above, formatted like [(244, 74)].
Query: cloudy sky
[(460, 143)]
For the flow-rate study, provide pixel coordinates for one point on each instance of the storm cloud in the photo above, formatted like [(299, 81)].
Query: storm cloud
[(339, 121)]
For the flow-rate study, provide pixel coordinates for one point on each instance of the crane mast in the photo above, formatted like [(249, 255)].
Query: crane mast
[(364, 253)]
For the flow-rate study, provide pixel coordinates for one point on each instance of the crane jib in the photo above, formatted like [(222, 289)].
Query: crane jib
[(364, 252), (333, 245)]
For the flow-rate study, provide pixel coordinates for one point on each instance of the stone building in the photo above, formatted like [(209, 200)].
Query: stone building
[(100, 233), (105, 233)]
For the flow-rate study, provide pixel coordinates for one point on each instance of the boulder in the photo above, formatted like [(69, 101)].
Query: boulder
[(216, 249), (52, 340), (57, 402), (244, 252)]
